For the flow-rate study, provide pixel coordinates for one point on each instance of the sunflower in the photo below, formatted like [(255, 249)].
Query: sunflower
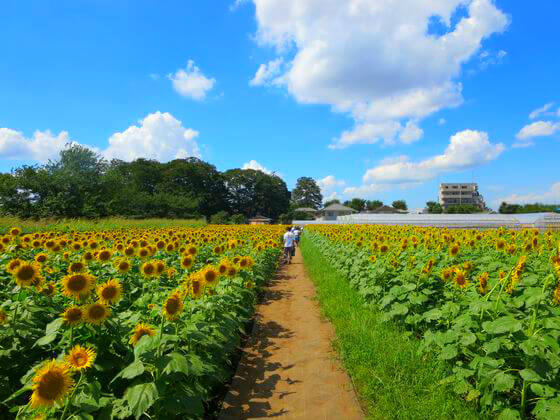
[(210, 276), (104, 255), (49, 288), (460, 278), (76, 267), (77, 285), (454, 250), (96, 313), (41, 257), (232, 271), (73, 315), (109, 292), (140, 330), (79, 358), (3, 317), (88, 256), (25, 273), (52, 383), (15, 231), (129, 251), (122, 265), (243, 262), (224, 266), (192, 250), (173, 306), (148, 269), (187, 261), (143, 252), (483, 283)]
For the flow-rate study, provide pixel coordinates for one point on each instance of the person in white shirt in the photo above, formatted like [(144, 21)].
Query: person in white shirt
[(288, 244)]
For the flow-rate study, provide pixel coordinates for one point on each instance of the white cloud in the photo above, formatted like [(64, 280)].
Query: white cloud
[(542, 110), (158, 136), (375, 59), (253, 164), (488, 58), (43, 146), (551, 196), (329, 186), (522, 144), (466, 149), (410, 133), (191, 82), (538, 129), (365, 190), (267, 74)]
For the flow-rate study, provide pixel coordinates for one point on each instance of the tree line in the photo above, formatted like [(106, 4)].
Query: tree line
[(83, 184)]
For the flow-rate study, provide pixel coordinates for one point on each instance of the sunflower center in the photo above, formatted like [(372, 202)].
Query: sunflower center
[(149, 269), (74, 315), (196, 287), (77, 283), (172, 306), (109, 292), (96, 312), (104, 255), (79, 359), (123, 266), (26, 273), (210, 276), (51, 385)]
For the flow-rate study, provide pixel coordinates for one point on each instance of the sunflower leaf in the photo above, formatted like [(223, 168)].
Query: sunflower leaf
[(141, 397)]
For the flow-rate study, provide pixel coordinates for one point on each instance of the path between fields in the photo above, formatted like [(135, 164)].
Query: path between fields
[(288, 368)]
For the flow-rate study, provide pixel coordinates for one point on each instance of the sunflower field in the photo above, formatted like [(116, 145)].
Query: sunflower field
[(486, 301), (126, 323)]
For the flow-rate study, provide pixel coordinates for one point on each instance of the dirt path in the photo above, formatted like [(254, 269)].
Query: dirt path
[(288, 368)]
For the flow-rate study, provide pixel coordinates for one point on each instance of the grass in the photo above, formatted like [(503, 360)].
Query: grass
[(392, 379), (109, 223)]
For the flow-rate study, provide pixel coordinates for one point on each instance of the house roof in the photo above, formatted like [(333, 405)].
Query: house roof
[(338, 207), (306, 209), (259, 217), (386, 209)]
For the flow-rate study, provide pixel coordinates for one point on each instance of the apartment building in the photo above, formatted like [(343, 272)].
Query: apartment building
[(452, 194)]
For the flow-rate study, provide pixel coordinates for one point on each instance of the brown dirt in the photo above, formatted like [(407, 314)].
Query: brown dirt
[(288, 368)]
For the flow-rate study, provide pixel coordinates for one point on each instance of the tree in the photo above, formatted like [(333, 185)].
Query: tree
[(333, 201), (463, 209), (307, 193), (251, 192), (434, 207), (358, 204), (400, 205), (373, 204), (220, 218)]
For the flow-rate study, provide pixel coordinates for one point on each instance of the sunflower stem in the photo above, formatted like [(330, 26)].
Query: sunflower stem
[(69, 400)]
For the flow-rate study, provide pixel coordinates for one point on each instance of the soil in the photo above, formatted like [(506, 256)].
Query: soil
[(288, 368)]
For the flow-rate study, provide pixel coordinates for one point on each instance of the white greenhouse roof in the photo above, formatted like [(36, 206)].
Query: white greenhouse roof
[(539, 220)]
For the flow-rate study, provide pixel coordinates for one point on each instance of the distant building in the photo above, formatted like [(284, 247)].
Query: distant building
[(456, 194), (384, 209), (260, 220), (335, 210)]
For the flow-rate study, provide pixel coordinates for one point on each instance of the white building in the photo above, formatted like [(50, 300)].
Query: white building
[(457, 194)]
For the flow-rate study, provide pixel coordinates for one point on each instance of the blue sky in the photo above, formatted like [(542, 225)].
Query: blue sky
[(373, 98)]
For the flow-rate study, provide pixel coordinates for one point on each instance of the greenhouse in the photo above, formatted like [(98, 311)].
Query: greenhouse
[(531, 220)]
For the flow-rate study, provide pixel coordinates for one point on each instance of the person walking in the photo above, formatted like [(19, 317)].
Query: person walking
[(288, 245), (296, 233)]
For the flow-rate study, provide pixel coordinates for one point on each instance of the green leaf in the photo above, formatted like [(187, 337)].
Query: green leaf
[(141, 397), (177, 363), (530, 375), (133, 370), (449, 352), (543, 390), (503, 382), (54, 326), (145, 344), (46, 339), (468, 339), (503, 325), (509, 414)]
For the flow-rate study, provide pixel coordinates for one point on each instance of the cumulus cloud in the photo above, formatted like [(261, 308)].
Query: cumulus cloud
[(488, 58), (540, 111), (158, 136), (267, 74), (191, 82), (551, 196), (253, 164), (375, 59), (538, 129), (43, 146), (466, 149)]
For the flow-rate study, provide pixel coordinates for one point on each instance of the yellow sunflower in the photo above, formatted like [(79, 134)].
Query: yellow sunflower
[(187, 261), (52, 383), (73, 315), (173, 306), (460, 278), (15, 231), (109, 292), (122, 265), (79, 357), (76, 267), (148, 269), (104, 255), (41, 257), (96, 313), (140, 330), (210, 276), (25, 273), (77, 285)]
